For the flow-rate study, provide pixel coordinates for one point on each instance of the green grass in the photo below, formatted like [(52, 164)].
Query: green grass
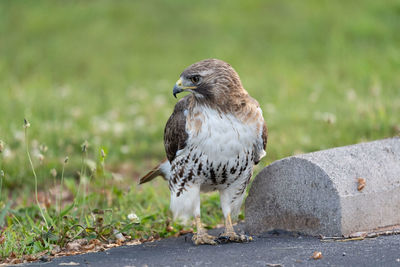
[(324, 72)]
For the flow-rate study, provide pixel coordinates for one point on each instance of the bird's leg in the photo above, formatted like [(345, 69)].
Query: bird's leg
[(202, 237), (230, 234)]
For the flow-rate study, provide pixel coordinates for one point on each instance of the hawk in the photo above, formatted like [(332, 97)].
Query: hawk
[(213, 139)]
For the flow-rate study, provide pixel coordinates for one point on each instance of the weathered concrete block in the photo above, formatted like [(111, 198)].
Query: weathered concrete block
[(316, 193)]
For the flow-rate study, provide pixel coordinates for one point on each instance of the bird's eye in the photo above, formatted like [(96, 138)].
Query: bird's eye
[(195, 79)]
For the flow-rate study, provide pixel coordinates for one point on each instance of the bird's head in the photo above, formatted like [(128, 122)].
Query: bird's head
[(210, 79)]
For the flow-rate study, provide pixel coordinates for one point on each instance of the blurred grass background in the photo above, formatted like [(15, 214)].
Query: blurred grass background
[(326, 74)]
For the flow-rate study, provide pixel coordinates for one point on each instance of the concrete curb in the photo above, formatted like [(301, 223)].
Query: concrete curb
[(331, 192)]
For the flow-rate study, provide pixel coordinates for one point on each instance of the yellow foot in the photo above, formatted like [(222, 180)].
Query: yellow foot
[(234, 237), (203, 239)]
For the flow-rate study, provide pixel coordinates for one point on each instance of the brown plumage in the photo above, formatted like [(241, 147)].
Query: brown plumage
[(213, 139)]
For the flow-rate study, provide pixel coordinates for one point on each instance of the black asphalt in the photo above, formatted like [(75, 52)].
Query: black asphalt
[(264, 250)]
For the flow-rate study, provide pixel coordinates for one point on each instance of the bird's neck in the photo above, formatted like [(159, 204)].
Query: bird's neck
[(235, 103)]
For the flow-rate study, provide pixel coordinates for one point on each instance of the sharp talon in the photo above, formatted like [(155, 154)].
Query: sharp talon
[(226, 238), (246, 238), (233, 237), (204, 239), (223, 239)]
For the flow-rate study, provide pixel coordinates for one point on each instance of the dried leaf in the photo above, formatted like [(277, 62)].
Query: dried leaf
[(184, 232), (30, 258), (16, 261), (76, 245), (95, 242), (56, 249), (71, 263), (133, 242), (317, 255), (361, 184), (358, 234), (89, 247)]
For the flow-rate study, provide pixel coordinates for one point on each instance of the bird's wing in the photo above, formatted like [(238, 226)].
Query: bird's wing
[(175, 135), (264, 135), (261, 144)]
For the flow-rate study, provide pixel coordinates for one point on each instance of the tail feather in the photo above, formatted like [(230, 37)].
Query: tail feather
[(161, 169)]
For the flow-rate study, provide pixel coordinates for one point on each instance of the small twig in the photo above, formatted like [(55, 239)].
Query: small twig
[(328, 238), (351, 239), (357, 238)]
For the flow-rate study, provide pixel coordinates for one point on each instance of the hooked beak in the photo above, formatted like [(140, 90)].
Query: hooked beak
[(178, 88)]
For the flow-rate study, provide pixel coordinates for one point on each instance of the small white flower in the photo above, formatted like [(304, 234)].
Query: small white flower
[(1, 146), (26, 123), (270, 108), (376, 90), (43, 148), (19, 136), (76, 112), (35, 144), (40, 157), (112, 115), (327, 117), (351, 95), (7, 153), (133, 110), (133, 217), (124, 149), (117, 177), (53, 172), (64, 91), (159, 101), (139, 122), (314, 96), (118, 128), (84, 146), (102, 125)]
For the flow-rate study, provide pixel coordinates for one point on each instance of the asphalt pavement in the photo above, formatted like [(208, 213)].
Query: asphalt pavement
[(271, 249)]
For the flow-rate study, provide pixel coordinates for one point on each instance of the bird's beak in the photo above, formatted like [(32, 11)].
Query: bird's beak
[(178, 88)]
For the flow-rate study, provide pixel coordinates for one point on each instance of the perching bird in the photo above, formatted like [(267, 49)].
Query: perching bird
[(212, 140)]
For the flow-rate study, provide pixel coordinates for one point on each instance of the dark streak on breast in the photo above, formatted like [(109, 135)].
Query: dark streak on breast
[(224, 175), (199, 168), (219, 166), (190, 175), (213, 176), (181, 171), (240, 172)]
